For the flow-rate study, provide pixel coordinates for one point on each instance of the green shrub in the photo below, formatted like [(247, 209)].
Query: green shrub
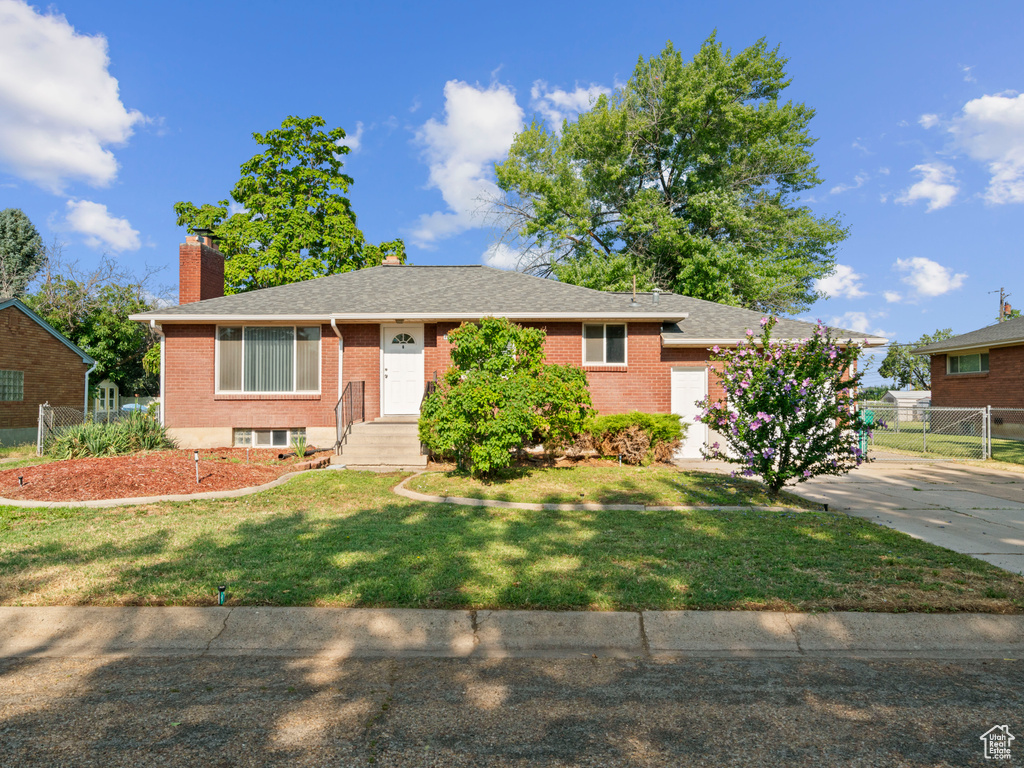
[(637, 437), (299, 445), (499, 396), (137, 432)]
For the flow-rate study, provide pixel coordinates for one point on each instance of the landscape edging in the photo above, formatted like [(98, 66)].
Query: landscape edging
[(127, 502)]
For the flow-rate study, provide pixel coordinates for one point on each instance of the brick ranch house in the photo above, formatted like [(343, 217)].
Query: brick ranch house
[(982, 368), (255, 368), (37, 365)]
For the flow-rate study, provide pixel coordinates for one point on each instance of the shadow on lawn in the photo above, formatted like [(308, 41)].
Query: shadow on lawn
[(347, 541)]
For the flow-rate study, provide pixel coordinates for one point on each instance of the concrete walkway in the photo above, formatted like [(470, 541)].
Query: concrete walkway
[(978, 511), (339, 633)]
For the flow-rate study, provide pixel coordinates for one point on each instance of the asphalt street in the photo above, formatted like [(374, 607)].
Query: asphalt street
[(587, 711)]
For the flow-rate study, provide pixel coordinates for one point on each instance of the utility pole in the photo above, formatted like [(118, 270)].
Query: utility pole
[(1004, 308)]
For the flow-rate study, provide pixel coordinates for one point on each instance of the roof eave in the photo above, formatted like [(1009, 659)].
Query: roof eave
[(669, 341), (967, 347), (391, 317)]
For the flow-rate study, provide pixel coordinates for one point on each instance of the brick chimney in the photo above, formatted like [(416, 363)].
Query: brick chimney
[(391, 260), (201, 270)]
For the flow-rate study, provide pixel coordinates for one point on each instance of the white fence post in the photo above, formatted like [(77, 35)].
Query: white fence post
[(39, 432)]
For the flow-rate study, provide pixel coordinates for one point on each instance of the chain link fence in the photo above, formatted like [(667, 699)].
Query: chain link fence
[(54, 419), (1006, 441), (925, 432)]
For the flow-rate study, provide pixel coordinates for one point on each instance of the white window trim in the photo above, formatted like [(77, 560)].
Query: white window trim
[(978, 352), (604, 335), (295, 367)]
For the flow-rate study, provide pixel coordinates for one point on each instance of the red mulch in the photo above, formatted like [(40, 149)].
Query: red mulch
[(157, 473)]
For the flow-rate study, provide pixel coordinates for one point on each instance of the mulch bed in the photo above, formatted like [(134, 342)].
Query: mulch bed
[(157, 473)]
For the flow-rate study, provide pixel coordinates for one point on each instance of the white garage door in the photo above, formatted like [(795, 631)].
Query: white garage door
[(688, 386)]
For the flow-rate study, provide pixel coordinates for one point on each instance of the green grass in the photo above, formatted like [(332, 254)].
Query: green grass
[(344, 539), (12, 456), (653, 486), (912, 439)]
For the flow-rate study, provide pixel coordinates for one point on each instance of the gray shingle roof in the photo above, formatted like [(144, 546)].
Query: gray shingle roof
[(461, 291), (1007, 332)]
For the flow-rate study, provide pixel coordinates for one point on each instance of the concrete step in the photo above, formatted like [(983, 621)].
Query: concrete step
[(385, 429), (393, 462)]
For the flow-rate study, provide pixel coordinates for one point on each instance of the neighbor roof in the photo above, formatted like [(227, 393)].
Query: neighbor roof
[(431, 293), (47, 327), (999, 335)]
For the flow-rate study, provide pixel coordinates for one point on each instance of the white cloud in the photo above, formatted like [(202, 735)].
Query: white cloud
[(556, 105), (234, 208), (858, 182), (884, 171), (844, 282), (857, 145), (991, 129), (858, 322), (100, 228), (968, 77), (927, 277), (937, 186), (353, 140), (893, 297), (928, 121), (59, 106), (478, 129), (501, 256)]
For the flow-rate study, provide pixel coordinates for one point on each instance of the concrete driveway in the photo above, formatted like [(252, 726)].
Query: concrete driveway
[(978, 511)]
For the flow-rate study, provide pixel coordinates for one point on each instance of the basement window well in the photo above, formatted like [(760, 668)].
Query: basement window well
[(267, 438)]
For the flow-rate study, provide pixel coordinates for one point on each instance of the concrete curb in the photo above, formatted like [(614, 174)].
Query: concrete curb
[(100, 503), (356, 632), (464, 501)]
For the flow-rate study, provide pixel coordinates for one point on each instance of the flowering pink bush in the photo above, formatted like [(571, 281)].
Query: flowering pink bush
[(789, 413)]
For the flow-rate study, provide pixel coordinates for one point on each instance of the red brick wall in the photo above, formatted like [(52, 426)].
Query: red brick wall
[(643, 384), (190, 399), (53, 373), (1001, 387), (200, 272)]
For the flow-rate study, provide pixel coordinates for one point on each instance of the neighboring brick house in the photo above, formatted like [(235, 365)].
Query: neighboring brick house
[(253, 368), (37, 365), (983, 367)]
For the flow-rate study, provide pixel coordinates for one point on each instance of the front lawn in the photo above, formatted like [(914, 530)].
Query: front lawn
[(344, 539), (653, 486)]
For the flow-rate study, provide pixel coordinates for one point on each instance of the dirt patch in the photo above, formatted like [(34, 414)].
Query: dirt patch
[(156, 473)]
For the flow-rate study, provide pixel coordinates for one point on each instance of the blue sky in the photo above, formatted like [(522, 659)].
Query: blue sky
[(111, 112)]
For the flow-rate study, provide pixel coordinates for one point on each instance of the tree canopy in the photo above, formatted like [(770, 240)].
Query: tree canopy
[(291, 219), (907, 370), (687, 178), (21, 252), (91, 308)]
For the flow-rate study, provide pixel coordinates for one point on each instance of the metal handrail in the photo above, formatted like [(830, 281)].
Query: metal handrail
[(351, 408)]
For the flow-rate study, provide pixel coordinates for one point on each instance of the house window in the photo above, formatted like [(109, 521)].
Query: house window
[(604, 344), (12, 385), (267, 438), (272, 358), (976, 363)]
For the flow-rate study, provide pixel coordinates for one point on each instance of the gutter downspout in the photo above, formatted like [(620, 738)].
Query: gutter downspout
[(85, 413), (341, 357), (158, 329)]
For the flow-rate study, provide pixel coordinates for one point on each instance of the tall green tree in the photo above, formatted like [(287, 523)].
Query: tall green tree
[(911, 371), (21, 252), (293, 220), (91, 307), (687, 178)]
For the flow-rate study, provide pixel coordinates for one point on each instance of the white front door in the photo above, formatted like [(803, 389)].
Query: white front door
[(402, 369), (688, 386)]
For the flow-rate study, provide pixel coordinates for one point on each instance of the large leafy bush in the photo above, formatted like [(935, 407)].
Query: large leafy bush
[(499, 395)]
